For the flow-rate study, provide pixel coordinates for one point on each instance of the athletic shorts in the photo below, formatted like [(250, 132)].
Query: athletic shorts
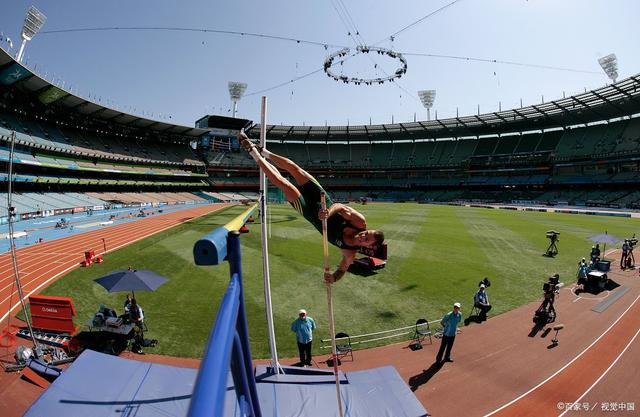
[(308, 204)]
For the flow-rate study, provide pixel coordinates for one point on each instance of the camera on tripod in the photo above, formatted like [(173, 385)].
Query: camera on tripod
[(552, 250), (553, 285), (546, 313), (552, 235), (628, 260)]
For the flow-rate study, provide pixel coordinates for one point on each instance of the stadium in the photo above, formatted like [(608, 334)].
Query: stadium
[(535, 205)]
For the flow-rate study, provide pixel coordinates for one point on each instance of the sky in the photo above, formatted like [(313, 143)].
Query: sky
[(179, 76)]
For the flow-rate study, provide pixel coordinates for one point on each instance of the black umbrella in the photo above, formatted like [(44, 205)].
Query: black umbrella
[(131, 280)]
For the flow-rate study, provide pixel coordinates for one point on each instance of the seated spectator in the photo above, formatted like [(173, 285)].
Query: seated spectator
[(137, 317), (481, 301), (595, 253), (135, 313), (127, 304)]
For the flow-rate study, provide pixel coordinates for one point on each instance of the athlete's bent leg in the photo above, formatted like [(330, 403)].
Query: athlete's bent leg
[(290, 191)]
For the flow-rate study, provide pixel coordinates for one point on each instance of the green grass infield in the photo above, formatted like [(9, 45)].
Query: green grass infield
[(437, 256)]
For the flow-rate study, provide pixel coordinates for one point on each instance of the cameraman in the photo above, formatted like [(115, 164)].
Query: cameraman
[(481, 301), (625, 254), (595, 253)]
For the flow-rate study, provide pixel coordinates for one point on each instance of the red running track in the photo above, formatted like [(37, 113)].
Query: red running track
[(43, 263)]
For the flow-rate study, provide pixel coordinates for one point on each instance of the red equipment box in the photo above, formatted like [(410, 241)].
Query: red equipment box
[(53, 313)]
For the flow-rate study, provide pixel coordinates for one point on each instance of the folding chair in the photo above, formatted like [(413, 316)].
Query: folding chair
[(343, 346), (422, 331), (475, 310)]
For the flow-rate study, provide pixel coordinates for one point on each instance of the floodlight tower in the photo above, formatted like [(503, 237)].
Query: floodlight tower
[(427, 97), (236, 91), (609, 64), (33, 22)]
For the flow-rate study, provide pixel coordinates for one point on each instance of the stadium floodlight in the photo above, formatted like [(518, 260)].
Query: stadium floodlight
[(33, 22), (609, 64), (236, 91), (427, 97)]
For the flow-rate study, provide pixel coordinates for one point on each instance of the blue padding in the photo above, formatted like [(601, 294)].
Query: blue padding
[(100, 385), (295, 375), (379, 392), (211, 249)]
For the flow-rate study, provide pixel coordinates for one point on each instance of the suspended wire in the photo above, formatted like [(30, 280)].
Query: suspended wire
[(351, 30), (322, 44), (293, 80), (362, 42), (203, 30), (499, 61), (422, 19), (352, 21)]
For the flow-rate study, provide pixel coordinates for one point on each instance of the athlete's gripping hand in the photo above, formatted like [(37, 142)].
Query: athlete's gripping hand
[(323, 214), (329, 278)]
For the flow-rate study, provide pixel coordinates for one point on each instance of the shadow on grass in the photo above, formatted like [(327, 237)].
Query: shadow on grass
[(386, 314), (417, 380), (409, 287), (102, 342), (361, 271)]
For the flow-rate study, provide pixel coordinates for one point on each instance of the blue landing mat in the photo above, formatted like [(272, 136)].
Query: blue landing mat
[(100, 385)]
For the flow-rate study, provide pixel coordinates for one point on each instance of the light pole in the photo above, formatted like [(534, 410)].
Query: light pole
[(236, 91), (33, 22), (427, 97), (609, 64)]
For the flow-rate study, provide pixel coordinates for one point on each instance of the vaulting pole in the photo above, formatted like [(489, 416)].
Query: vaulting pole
[(334, 355), (275, 365)]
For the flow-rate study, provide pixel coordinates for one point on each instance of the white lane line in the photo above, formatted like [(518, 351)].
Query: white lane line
[(566, 365), (605, 372)]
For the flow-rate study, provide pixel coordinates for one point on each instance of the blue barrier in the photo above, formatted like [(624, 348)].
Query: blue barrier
[(212, 249), (228, 346)]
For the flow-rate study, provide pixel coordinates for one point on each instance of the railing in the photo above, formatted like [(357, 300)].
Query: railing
[(228, 345), (401, 332)]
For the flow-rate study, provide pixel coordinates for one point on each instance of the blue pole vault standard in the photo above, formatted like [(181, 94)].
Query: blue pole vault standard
[(228, 345), (212, 249)]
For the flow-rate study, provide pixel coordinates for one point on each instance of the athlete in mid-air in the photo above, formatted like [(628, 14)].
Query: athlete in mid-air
[(346, 227)]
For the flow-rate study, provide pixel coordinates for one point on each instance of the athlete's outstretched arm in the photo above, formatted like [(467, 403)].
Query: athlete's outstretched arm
[(347, 259)]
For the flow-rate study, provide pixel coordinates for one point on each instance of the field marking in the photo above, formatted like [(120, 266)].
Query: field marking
[(608, 293), (566, 365), (604, 373)]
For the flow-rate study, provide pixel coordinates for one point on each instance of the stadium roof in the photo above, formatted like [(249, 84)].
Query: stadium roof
[(16, 75), (605, 103)]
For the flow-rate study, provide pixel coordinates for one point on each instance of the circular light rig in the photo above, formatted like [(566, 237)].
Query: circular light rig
[(342, 53)]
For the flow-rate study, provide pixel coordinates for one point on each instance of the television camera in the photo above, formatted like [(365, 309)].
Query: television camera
[(552, 250), (546, 313), (628, 259)]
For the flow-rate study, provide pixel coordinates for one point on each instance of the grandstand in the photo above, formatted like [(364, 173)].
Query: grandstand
[(565, 150), (71, 153), (579, 150)]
